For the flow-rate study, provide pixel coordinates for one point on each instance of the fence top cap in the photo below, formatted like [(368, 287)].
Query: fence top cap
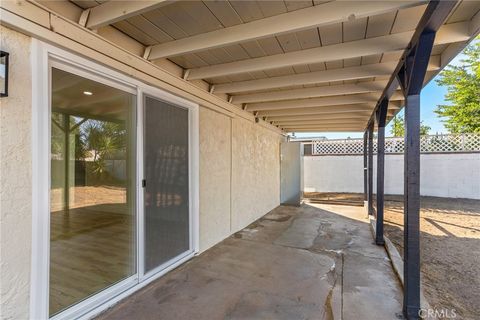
[(439, 143)]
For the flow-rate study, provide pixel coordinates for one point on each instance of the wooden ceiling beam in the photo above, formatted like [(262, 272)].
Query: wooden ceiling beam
[(314, 102), (311, 17), (333, 128), (347, 50), (302, 93), (350, 73), (352, 108), (316, 92), (455, 32), (113, 11), (383, 69), (319, 122), (325, 130), (351, 115), (325, 124), (318, 110)]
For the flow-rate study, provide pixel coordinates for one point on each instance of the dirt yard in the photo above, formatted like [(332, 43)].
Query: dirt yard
[(450, 247), (84, 196)]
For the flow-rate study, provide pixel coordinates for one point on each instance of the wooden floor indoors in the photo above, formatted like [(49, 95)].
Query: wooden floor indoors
[(91, 248)]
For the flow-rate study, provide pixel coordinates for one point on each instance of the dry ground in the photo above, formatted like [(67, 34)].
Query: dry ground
[(450, 247), (84, 196)]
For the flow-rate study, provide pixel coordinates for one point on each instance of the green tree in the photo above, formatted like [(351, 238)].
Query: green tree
[(462, 114), (398, 127), (424, 129), (105, 140)]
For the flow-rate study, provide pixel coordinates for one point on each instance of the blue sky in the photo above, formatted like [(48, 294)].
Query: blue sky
[(431, 96)]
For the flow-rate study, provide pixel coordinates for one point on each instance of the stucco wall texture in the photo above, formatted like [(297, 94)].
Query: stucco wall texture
[(239, 177), (450, 175), (215, 173), (15, 180), (255, 172)]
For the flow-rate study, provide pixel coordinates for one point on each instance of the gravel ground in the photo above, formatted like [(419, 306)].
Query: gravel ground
[(450, 247)]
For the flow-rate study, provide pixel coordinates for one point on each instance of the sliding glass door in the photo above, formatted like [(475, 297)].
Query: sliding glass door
[(92, 195), (166, 184), (117, 208)]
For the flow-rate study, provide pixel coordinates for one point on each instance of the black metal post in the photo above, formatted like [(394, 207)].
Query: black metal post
[(412, 83), (370, 168), (410, 74), (365, 169), (411, 223), (381, 119)]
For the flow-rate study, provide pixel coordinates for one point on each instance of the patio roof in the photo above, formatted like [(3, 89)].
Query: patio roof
[(299, 65)]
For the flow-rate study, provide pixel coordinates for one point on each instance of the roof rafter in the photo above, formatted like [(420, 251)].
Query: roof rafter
[(351, 108), (316, 92), (330, 128), (397, 42), (352, 115), (349, 129), (351, 73), (352, 49), (325, 91), (383, 69), (318, 110), (113, 11), (320, 122), (314, 102), (320, 15)]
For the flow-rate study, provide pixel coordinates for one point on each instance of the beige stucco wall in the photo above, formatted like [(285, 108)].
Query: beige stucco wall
[(215, 164), (239, 177), (15, 180), (255, 172)]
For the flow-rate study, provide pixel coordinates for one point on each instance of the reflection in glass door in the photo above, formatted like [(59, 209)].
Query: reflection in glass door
[(166, 184), (92, 196)]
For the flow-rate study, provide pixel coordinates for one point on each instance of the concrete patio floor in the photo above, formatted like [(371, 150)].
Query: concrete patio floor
[(308, 262)]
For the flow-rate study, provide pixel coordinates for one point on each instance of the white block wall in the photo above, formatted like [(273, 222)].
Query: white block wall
[(452, 175)]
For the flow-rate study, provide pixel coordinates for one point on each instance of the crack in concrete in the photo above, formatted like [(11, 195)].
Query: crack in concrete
[(334, 301), (336, 278)]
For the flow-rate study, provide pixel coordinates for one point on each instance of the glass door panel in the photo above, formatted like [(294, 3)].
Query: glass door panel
[(166, 192), (92, 219)]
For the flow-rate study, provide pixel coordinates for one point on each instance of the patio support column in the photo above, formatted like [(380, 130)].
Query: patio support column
[(411, 80), (412, 206), (381, 119), (66, 159), (365, 173), (410, 75), (370, 168)]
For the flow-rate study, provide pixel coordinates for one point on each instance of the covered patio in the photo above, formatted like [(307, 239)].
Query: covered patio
[(238, 76), (307, 262)]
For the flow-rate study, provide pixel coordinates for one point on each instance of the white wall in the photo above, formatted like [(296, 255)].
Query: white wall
[(15, 180), (449, 175), (239, 177)]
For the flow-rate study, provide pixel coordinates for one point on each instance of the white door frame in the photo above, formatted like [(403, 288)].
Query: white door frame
[(193, 177), (43, 56)]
